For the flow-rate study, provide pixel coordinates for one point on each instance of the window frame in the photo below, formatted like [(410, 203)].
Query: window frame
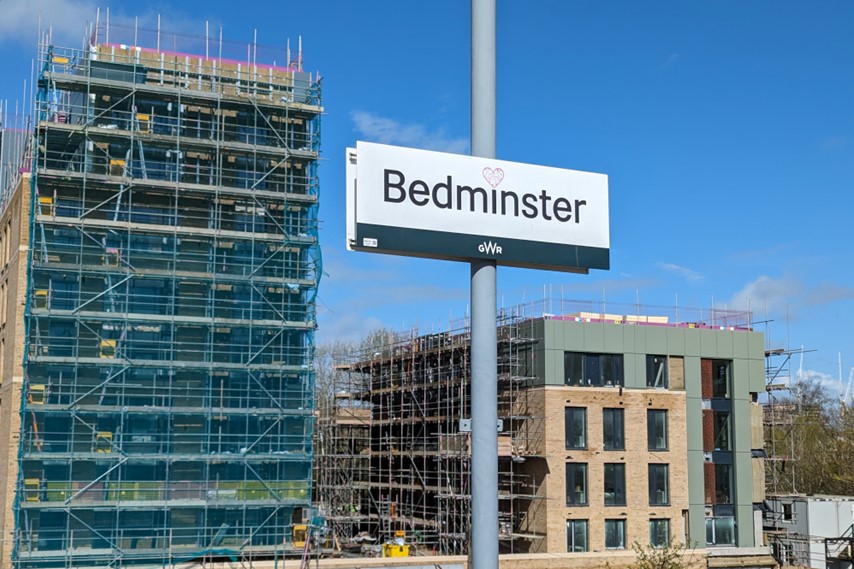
[(572, 484), (571, 546), (787, 510), (717, 365), (652, 375), (713, 533), (655, 533), (651, 430), (722, 425), (579, 367), (653, 483), (724, 495), (614, 442), (619, 523), (619, 483), (569, 430)]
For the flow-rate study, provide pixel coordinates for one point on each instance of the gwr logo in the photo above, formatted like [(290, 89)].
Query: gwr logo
[(490, 248)]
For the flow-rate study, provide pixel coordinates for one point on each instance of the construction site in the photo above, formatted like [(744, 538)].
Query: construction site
[(393, 455), (393, 441), (804, 528), (160, 402), (159, 280)]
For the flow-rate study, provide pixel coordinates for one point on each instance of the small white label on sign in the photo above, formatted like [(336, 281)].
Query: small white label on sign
[(368, 242)]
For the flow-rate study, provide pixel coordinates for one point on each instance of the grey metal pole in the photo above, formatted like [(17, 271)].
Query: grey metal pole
[(484, 382)]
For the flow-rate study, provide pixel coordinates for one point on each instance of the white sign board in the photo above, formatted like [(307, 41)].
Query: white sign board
[(449, 206)]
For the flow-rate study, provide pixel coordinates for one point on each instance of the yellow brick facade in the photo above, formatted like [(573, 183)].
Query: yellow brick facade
[(549, 514), (13, 285)]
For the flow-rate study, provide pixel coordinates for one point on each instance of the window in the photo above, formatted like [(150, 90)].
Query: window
[(656, 429), (615, 534), (720, 380), (576, 484), (720, 531), (612, 429), (659, 494), (659, 532), (615, 484), (7, 248), (575, 423), (656, 371), (576, 535), (787, 512), (593, 370), (723, 484), (723, 431)]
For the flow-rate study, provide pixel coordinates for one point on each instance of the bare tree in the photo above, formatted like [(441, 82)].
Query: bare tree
[(671, 555)]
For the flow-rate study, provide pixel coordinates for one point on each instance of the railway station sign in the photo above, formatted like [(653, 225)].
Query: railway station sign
[(420, 203)]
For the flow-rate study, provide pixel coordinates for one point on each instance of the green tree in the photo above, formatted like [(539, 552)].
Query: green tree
[(816, 432)]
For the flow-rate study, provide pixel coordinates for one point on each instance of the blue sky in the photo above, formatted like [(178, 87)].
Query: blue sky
[(726, 129)]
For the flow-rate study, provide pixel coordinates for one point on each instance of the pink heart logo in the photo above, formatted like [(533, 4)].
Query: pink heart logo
[(494, 177)]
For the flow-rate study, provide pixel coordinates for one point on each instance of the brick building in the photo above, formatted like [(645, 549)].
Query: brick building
[(616, 429)]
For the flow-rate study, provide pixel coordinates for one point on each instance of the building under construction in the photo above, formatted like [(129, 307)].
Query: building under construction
[(635, 426), (393, 447), (160, 264)]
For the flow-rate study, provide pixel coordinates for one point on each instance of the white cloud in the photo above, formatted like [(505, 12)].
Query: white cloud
[(787, 295), (767, 294), (68, 22), (689, 275), (829, 384), (19, 19), (376, 128)]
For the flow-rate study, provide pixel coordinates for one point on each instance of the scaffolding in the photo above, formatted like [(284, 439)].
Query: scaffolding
[(394, 436), (343, 462), (839, 551), (783, 411), (168, 379), (15, 157), (396, 452), (781, 416), (778, 420)]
